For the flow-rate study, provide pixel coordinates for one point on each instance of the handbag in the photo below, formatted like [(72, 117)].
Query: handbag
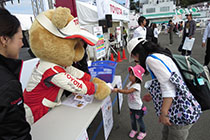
[(196, 77), (184, 109)]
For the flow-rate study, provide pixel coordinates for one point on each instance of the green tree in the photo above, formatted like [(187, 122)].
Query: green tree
[(134, 5)]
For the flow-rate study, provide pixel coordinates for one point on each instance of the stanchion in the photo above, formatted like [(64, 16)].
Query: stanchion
[(124, 56), (118, 57)]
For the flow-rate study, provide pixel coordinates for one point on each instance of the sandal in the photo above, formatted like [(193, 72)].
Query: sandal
[(132, 134), (141, 136)]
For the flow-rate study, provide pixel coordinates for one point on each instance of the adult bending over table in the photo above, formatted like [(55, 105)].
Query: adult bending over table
[(175, 106)]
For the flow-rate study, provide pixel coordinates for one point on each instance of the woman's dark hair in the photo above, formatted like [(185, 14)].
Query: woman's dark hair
[(9, 24), (151, 25), (154, 25), (146, 48)]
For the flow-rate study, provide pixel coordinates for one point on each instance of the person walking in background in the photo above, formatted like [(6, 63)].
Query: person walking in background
[(141, 31), (170, 31), (206, 36), (13, 124), (125, 35), (175, 106), (149, 34), (175, 29), (156, 33), (189, 31), (133, 90), (180, 28)]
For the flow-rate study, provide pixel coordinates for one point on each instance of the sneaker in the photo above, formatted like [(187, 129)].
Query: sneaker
[(141, 136), (132, 134)]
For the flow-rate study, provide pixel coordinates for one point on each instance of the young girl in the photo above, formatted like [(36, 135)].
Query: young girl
[(135, 104)]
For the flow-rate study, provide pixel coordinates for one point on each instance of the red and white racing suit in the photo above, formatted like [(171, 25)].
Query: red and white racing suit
[(46, 85)]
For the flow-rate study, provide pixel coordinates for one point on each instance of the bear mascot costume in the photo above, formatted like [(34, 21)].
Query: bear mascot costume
[(55, 38)]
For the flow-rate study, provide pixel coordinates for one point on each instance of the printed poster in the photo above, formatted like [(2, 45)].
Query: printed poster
[(120, 95), (107, 116), (84, 136), (118, 34), (99, 48)]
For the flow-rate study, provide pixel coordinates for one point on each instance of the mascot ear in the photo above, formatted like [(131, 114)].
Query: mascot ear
[(79, 51), (61, 17)]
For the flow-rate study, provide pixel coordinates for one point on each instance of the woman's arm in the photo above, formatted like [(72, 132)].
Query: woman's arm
[(164, 118)]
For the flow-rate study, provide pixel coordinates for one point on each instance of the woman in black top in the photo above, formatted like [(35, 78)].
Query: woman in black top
[(13, 125)]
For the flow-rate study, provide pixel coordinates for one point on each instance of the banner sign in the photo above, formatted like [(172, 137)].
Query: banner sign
[(107, 116), (99, 48), (84, 136), (117, 11), (118, 34)]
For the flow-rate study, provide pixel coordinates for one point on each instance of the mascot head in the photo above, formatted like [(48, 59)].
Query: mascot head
[(55, 36)]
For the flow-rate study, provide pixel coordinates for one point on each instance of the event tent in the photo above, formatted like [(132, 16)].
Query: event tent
[(25, 20), (87, 13)]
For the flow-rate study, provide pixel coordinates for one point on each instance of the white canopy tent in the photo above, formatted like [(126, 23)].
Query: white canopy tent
[(25, 20), (87, 13)]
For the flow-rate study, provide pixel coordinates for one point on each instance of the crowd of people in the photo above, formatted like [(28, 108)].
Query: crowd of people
[(150, 58), (164, 90)]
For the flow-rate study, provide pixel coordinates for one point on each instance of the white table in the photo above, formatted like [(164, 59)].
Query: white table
[(66, 123)]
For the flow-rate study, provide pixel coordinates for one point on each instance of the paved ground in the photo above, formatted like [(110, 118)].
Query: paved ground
[(121, 128)]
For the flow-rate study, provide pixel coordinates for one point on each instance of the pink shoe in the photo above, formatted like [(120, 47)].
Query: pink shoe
[(132, 134), (141, 136)]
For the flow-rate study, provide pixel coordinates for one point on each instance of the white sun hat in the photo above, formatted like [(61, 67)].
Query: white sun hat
[(132, 44), (70, 31)]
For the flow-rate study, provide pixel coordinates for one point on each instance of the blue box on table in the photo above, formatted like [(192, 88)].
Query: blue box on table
[(104, 70)]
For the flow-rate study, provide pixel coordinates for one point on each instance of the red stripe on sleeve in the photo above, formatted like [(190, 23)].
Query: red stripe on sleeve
[(86, 77), (90, 87)]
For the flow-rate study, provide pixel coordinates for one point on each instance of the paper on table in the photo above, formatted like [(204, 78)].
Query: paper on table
[(84, 98), (74, 103)]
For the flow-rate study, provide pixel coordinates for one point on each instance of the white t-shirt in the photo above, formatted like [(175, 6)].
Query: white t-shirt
[(134, 99), (156, 32), (162, 74), (140, 32)]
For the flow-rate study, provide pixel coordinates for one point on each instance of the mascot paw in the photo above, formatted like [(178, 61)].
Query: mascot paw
[(102, 89)]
